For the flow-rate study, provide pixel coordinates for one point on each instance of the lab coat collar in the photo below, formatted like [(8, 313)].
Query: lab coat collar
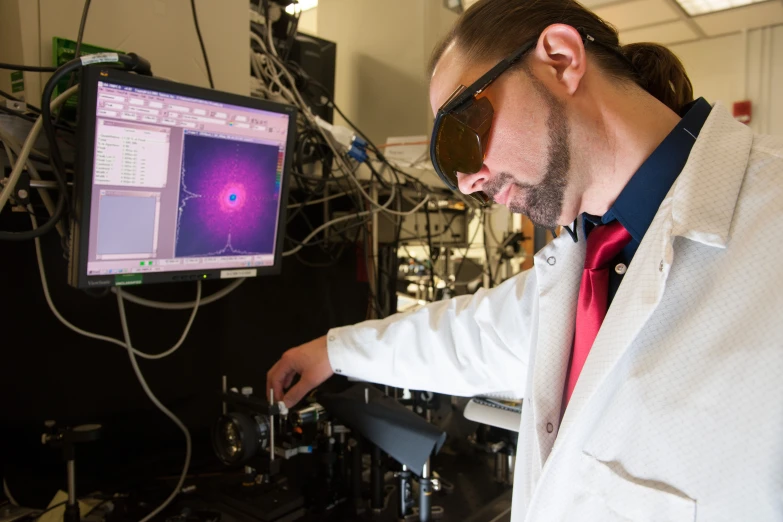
[(705, 194)]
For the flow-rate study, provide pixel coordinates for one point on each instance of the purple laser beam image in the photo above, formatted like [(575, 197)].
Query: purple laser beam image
[(228, 198)]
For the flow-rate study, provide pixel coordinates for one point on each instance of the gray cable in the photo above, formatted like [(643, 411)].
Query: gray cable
[(132, 354), (159, 405), (64, 321), (163, 305)]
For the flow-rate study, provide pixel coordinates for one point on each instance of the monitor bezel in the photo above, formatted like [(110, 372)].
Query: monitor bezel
[(83, 178)]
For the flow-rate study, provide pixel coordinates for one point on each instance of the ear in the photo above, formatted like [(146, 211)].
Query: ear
[(561, 57)]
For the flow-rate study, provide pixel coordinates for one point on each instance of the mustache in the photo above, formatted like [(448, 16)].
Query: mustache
[(495, 186)]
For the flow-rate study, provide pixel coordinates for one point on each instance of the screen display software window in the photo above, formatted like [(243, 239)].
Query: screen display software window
[(182, 184)]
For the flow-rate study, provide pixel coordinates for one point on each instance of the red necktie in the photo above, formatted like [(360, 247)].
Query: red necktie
[(603, 245)]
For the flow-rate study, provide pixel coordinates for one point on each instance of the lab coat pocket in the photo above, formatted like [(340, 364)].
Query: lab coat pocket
[(610, 494)]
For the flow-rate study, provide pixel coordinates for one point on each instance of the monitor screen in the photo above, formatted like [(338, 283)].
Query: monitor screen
[(179, 182)]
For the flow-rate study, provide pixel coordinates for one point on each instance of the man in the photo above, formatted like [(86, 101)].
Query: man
[(666, 405)]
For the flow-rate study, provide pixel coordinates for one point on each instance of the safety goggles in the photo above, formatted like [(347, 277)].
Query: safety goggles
[(462, 127)]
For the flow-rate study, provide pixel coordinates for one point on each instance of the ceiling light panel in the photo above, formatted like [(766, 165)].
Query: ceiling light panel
[(699, 7)]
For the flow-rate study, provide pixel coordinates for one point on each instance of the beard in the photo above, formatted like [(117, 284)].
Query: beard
[(542, 202)]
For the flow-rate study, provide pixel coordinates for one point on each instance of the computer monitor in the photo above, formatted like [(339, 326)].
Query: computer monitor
[(176, 182)]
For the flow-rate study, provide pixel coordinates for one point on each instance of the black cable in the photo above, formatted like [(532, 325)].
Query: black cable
[(429, 247), (497, 270), (339, 231), (330, 102), (291, 35), (130, 62), (387, 291), (336, 258), (462, 261), (82, 24), (486, 249), (77, 51), (367, 254), (9, 96), (201, 43), (326, 239), (378, 176), (58, 166), (26, 68), (311, 147), (31, 108), (308, 177), (304, 180), (305, 203), (445, 230), (374, 148), (372, 145)]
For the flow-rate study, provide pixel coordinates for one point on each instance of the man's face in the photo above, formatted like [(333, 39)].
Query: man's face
[(527, 159)]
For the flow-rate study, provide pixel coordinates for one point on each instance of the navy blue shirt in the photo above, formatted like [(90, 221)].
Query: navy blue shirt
[(638, 202)]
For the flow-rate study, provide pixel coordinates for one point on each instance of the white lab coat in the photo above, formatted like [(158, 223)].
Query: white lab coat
[(678, 413)]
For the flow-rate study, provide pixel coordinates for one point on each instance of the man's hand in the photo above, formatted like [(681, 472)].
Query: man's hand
[(309, 360)]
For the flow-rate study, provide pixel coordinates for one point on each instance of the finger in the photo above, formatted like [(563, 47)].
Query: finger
[(288, 380), (277, 381), (271, 376), (296, 393)]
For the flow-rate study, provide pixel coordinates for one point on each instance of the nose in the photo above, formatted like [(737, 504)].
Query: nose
[(470, 183)]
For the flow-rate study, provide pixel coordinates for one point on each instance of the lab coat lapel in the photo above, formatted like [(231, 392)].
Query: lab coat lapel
[(558, 269), (700, 207)]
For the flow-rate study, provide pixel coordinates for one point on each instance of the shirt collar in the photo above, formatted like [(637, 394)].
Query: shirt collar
[(639, 201)]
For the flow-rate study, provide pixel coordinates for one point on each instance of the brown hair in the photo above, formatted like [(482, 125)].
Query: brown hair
[(490, 30)]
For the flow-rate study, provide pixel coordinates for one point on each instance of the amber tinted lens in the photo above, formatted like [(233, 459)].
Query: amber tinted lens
[(480, 120), (461, 142), (458, 149)]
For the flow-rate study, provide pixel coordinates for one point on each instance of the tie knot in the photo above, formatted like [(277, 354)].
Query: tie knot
[(604, 243)]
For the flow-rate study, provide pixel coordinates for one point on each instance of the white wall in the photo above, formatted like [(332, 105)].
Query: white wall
[(308, 21), (380, 80), (438, 23), (382, 52), (738, 67), (160, 30), (20, 44)]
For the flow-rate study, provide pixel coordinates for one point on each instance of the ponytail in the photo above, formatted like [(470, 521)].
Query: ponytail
[(660, 73)]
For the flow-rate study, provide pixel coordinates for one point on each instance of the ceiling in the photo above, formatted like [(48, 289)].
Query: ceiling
[(666, 22)]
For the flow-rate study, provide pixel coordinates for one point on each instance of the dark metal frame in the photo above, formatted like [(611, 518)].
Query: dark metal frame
[(83, 182)]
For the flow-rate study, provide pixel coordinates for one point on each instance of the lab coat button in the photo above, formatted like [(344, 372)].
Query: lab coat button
[(331, 338), (549, 427), (620, 268), (551, 260)]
